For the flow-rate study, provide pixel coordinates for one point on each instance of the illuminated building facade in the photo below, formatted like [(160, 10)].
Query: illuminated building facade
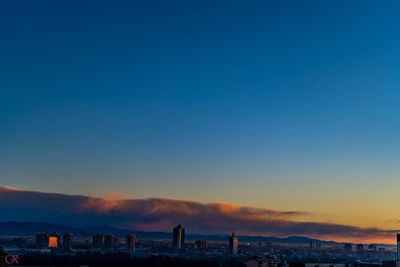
[(54, 241)]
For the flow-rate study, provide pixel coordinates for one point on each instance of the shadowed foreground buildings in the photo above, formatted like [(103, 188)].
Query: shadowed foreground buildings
[(42, 240), (121, 260), (348, 247), (110, 242), (67, 241), (250, 254), (97, 241), (200, 244), (360, 247), (200, 253)]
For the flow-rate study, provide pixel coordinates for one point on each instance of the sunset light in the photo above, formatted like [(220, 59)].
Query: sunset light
[(218, 133)]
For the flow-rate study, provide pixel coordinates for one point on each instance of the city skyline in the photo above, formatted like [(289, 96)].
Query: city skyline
[(281, 116)]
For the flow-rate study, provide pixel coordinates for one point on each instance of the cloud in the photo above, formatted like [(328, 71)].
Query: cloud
[(10, 188), (393, 222), (158, 214)]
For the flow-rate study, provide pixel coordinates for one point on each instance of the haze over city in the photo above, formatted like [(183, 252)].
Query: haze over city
[(275, 118)]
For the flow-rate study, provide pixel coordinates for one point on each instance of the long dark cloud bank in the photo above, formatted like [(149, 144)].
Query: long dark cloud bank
[(158, 214)]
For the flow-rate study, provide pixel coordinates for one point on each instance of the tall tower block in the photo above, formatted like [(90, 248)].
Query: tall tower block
[(398, 248)]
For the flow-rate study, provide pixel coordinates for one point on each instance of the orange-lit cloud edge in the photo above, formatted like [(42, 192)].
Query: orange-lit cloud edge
[(158, 214)]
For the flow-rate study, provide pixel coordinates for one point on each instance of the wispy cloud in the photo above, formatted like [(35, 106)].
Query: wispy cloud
[(162, 214)]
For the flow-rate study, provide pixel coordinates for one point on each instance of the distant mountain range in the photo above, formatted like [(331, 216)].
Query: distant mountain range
[(12, 228)]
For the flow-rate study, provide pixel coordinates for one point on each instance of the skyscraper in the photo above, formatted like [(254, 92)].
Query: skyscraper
[(54, 240), (398, 248), (110, 242), (41, 240), (131, 243), (178, 241), (233, 244), (97, 241), (67, 241)]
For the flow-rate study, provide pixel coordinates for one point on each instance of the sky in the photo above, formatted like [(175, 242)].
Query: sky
[(281, 105)]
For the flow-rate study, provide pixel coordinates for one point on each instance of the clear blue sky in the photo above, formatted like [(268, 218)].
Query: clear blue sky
[(235, 101)]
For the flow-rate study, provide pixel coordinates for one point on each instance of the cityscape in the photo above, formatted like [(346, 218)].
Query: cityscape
[(104, 249), (208, 133)]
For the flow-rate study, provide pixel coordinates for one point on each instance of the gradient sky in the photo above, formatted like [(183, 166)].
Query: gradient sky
[(288, 105)]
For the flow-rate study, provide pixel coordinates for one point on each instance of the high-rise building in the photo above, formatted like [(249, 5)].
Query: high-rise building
[(67, 241), (372, 247), (398, 248), (359, 247), (42, 240), (233, 244), (131, 243), (178, 240), (54, 240), (97, 241), (110, 241), (200, 244)]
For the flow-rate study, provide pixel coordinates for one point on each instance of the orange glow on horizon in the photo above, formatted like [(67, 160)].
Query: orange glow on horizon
[(389, 240)]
